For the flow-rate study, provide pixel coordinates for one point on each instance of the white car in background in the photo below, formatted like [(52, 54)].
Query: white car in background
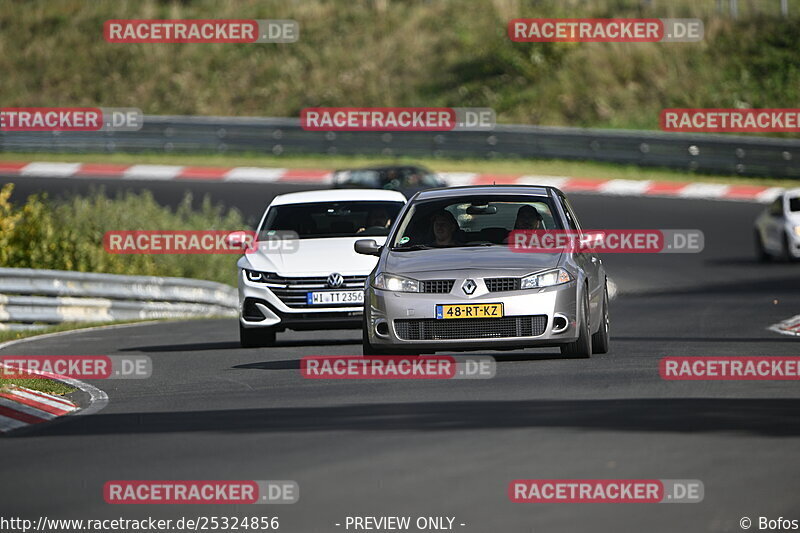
[(315, 280), (777, 228)]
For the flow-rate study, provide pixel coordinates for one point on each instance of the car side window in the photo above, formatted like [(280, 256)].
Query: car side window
[(572, 220), (776, 207)]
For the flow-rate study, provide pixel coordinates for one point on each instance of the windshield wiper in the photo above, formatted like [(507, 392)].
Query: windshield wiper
[(412, 248)]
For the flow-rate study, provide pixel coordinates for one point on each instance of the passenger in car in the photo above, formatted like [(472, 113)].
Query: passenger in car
[(528, 217)]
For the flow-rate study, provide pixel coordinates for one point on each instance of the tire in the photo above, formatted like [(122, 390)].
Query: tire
[(581, 348), (787, 250), (600, 340), (761, 254), (256, 337)]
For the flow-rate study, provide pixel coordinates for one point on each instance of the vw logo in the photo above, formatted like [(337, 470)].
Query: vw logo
[(469, 286), (335, 280)]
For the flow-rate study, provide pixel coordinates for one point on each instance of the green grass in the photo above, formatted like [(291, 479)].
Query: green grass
[(48, 386), (402, 53), (9, 335), (578, 169)]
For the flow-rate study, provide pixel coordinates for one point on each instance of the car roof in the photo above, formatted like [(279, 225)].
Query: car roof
[(792, 193), (477, 190), (339, 195)]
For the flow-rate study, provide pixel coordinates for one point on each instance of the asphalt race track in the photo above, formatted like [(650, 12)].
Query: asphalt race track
[(213, 410)]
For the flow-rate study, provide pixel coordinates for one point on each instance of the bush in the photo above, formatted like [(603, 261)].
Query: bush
[(67, 234)]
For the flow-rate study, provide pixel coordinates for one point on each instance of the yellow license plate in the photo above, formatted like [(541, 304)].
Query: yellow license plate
[(469, 311)]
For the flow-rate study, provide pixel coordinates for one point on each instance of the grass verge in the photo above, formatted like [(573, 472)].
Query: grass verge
[(47, 386), (50, 386)]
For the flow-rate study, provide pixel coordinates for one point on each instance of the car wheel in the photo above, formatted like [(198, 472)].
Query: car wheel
[(600, 339), (787, 249), (581, 348), (256, 337), (761, 254)]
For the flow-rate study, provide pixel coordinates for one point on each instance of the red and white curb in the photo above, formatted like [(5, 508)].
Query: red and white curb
[(98, 399), (21, 407), (618, 187), (790, 326)]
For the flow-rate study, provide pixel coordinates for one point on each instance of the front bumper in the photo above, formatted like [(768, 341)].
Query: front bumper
[(388, 314), (794, 244), (259, 307)]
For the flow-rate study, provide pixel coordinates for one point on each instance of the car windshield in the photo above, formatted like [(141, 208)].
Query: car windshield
[(472, 221), (331, 219)]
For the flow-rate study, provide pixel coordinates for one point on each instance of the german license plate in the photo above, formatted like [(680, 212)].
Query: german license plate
[(469, 311), (335, 297)]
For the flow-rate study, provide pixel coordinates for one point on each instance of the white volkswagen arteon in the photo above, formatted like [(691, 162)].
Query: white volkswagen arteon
[(777, 228), (315, 279)]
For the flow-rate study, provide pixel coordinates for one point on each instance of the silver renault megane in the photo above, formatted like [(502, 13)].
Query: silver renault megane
[(447, 278)]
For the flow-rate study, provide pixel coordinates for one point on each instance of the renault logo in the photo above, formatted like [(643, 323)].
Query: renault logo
[(335, 280), (469, 286)]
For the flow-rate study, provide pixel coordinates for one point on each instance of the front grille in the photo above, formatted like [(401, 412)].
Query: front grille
[(502, 284), (439, 286), (292, 291), (431, 329)]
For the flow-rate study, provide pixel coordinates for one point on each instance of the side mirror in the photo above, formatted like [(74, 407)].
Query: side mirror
[(367, 247), (239, 240)]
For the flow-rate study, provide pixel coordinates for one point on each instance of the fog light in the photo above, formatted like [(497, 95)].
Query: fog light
[(382, 328), (560, 323)]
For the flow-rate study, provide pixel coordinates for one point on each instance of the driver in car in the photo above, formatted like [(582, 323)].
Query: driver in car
[(444, 227), (377, 219)]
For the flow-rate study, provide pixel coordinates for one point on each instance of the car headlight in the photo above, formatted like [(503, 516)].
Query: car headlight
[(390, 282), (255, 275), (546, 279), (797, 230)]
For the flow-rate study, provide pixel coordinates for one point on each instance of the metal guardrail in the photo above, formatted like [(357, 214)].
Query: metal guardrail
[(726, 154), (31, 298)]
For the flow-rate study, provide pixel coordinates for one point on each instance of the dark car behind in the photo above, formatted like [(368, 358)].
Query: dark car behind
[(407, 179)]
